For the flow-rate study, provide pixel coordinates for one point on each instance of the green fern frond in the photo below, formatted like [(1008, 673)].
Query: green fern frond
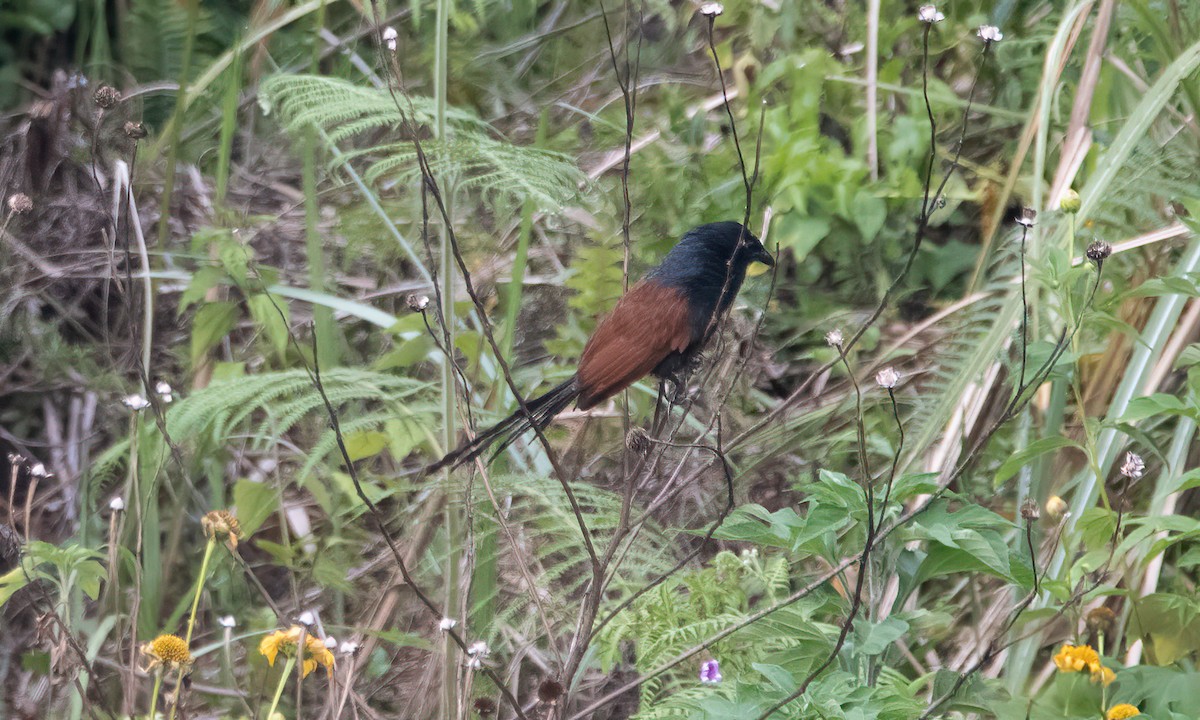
[(476, 159)]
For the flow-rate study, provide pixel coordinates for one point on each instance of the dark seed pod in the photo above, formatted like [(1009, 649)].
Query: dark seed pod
[(485, 707), (1030, 510), (106, 96), (550, 690), (1099, 251), (638, 441)]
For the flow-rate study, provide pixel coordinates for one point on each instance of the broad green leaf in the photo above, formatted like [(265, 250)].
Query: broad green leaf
[(255, 501), (213, 322), (1034, 450)]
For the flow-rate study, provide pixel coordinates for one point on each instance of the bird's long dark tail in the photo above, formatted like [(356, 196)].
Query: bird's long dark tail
[(541, 410)]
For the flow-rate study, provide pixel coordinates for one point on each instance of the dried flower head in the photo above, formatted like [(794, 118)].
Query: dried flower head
[(1056, 507), (887, 378), (834, 338), (16, 458), (447, 623), (485, 707), (285, 642), (135, 402), (550, 690), (106, 96), (1029, 510), (711, 9), (166, 651), (19, 203), (417, 303), (638, 441), (1070, 202), (1099, 251), (710, 672), (222, 525), (1027, 217), (117, 504), (1134, 466), (929, 14), (227, 621), (1100, 620), (348, 648), (1123, 711), (476, 652), (389, 38), (135, 130), (990, 34)]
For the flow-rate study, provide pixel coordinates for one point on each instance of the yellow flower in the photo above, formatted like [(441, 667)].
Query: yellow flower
[(1077, 659), (1104, 676), (167, 651), (285, 641), (1121, 712), (222, 525)]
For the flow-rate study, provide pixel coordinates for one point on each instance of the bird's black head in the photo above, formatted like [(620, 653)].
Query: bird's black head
[(704, 252)]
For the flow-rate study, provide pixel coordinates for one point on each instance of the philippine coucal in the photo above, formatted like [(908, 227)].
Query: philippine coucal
[(656, 328)]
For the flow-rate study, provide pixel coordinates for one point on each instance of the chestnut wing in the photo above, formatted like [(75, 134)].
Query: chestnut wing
[(649, 323)]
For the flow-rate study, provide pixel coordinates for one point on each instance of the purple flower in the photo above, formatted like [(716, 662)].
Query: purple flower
[(710, 672)]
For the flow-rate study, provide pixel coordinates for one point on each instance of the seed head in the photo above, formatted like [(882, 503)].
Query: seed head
[(1027, 218), (1100, 620), (135, 402), (168, 651), (389, 38), (834, 338), (106, 96), (1133, 467), (447, 623), (638, 441), (19, 204), (117, 504), (485, 707), (712, 9), (1029, 510), (227, 621), (1099, 251), (417, 303), (222, 525), (307, 619), (887, 378), (1070, 202)]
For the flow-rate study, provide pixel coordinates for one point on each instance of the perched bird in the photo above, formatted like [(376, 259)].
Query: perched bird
[(657, 328)]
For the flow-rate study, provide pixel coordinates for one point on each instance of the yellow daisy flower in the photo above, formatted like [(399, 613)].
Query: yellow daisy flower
[(1122, 711), (285, 641), (166, 651), (1071, 658)]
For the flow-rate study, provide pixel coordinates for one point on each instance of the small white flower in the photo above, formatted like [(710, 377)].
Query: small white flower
[(227, 621), (474, 663), (478, 649), (39, 471), (1134, 466), (163, 390), (990, 33), (834, 338), (447, 624), (712, 9), (331, 642), (348, 648), (135, 402), (929, 14), (389, 38), (887, 378), (307, 618), (116, 504), (417, 303), (1027, 218)]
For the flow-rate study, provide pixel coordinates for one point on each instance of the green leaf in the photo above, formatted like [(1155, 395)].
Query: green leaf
[(266, 311), (255, 501), (204, 279), (365, 444), (11, 582), (1035, 449), (1157, 404), (213, 322)]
